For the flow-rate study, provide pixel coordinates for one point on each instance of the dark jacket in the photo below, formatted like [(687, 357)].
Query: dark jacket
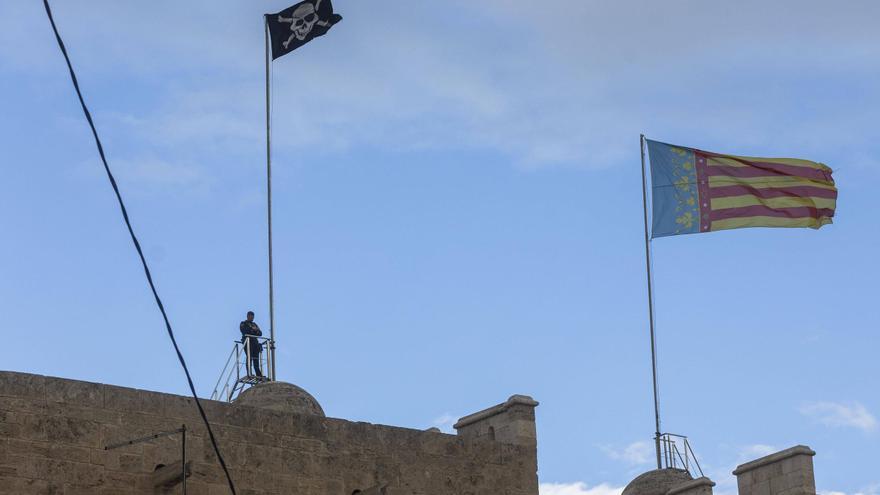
[(250, 329)]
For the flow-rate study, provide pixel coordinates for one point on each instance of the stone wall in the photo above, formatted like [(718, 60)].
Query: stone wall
[(789, 472), (510, 422), (52, 434), (699, 486)]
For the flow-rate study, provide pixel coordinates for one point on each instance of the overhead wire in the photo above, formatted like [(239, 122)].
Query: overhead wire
[(137, 246)]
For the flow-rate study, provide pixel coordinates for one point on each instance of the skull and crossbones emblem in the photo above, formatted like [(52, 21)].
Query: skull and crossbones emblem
[(302, 20)]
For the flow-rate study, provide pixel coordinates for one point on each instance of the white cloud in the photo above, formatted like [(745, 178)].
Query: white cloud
[(159, 172), (636, 453), (444, 422), (578, 488), (151, 174), (541, 87), (840, 415)]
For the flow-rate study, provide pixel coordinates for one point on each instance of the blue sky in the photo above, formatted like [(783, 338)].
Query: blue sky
[(458, 216)]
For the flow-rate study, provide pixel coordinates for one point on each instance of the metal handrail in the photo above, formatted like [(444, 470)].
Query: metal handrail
[(688, 448), (246, 343), (231, 378), (220, 378), (674, 457)]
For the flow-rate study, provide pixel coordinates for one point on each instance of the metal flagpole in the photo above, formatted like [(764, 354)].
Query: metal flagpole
[(269, 208), (650, 303)]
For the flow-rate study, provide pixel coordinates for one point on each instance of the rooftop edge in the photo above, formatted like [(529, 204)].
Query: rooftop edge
[(773, 458), (514, 400)]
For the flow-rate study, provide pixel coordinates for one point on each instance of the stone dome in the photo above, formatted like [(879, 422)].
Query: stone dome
[(657, 482), (280, 396)]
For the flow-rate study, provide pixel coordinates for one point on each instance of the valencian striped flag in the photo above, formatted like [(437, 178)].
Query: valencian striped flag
[(700, 191)]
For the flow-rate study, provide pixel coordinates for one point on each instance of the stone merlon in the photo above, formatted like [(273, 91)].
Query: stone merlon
[(789, 472), (53, 433), (512, 422)]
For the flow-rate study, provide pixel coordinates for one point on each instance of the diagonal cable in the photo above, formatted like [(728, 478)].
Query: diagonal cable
[(137, 246)]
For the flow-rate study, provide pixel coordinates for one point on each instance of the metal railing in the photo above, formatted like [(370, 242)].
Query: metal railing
[(238, 372), (677, 453)]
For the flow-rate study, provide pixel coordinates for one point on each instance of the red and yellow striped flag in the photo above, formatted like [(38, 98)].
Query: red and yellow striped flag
[(700, 191)]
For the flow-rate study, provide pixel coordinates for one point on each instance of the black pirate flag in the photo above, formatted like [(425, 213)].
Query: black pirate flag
[(295, 26)]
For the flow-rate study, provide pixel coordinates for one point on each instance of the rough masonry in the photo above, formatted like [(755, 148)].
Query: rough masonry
[(53, 432)]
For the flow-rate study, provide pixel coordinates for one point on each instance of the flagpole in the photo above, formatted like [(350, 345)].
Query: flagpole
[(269, 208), (650, 304)]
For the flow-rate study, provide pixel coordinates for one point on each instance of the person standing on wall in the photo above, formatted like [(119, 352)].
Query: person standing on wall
[(249, 331)]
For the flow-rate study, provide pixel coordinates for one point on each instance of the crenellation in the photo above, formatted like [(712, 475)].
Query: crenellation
[(52, 434), (510, 422), (789, 471)]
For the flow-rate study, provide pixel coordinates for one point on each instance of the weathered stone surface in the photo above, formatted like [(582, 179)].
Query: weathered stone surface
[(657, 482), (512, 421), (699, 486), (53, 433), (167, 476), (788, 472), (281, 397)]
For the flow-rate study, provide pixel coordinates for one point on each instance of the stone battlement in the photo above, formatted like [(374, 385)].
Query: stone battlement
[(53, 432)]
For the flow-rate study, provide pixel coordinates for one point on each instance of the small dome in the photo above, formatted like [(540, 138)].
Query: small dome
[(657, 482), (280, 396)]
